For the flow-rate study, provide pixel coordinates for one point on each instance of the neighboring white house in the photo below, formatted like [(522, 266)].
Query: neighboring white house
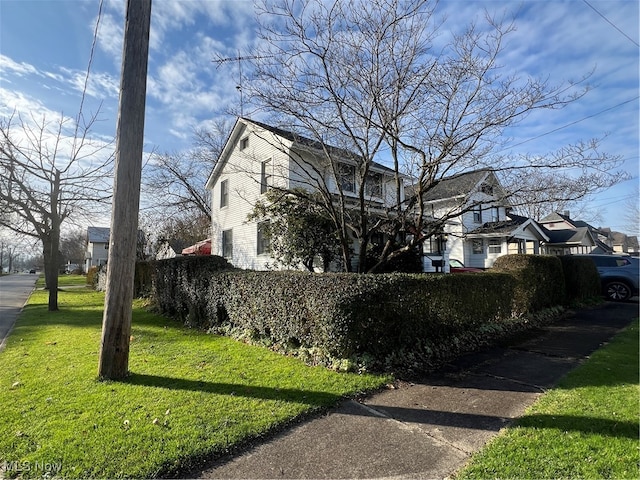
[(97, 252), (97, 247), (257, 156), (485, 229)]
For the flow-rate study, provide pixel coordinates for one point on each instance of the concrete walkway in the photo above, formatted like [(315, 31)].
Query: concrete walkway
[(14, 292), (430, 428)]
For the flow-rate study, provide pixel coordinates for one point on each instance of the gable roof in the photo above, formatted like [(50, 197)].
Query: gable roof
[(514, 225), (579, 236), (460, 185), (101, 235), (98, 234), (297, 141)]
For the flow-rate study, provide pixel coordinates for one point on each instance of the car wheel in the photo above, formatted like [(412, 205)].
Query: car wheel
[(617, 291)]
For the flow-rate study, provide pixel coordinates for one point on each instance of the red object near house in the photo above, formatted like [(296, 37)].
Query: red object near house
[(456, 266), (200, 248)]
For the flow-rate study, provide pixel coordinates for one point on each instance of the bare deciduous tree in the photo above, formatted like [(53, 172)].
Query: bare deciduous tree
[(73, 247), (174, 183), (384, 80), (50, 171)]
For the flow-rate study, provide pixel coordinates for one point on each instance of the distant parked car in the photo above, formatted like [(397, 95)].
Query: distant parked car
[(456, 266), (619, 275), (33, 270)]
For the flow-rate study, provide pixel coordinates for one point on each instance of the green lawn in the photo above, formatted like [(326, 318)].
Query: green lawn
[(587, 427), (65, 281), (189, 396)]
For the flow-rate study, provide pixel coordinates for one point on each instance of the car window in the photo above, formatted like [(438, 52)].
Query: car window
[(620, 262)]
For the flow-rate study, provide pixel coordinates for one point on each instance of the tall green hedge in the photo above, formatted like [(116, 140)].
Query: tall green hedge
[(582, 281), (391, 321), (388, 318), (539, 281)]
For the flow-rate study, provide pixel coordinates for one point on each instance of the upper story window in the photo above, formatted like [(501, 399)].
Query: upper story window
[(265, 175), (224, 193), (346, 177), (373, 185), (244, 143), (495, 214), (477, 214)]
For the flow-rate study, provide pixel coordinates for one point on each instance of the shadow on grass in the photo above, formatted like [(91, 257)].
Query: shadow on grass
[(472, 421), (588, 425), (307, 397)]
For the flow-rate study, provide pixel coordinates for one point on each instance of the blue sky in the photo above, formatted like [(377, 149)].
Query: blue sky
[(45, 47)]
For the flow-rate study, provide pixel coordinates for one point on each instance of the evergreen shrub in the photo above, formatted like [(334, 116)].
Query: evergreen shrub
[(390, 319), (581, 278), (180, 285), (539, 281)]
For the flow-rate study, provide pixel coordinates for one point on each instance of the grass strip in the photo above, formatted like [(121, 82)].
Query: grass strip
[(586, 427), (189, 395), (65, 281)]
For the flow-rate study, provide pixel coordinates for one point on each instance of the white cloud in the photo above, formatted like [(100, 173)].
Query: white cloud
[(16, 101), (21, 69)]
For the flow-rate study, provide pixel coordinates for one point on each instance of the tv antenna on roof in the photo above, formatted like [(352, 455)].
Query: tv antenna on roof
[(220, 60)]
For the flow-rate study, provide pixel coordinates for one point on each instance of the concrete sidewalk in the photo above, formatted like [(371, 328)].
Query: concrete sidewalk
[(429, 429)]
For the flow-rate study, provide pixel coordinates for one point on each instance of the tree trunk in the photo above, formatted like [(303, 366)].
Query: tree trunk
[(51, 257), (116, 326)]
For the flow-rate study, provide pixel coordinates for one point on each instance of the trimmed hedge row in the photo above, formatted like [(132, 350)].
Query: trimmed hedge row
[(539, 281), (582, 281), (386, 321)]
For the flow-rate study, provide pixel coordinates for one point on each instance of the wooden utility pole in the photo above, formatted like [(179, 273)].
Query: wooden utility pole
[(116, 324)]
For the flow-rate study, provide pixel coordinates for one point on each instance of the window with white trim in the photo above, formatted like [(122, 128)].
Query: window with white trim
[(477, 246), (495, 245), (265, 175), (373, 185), (244, 143), (263, 243), (227, 244), (477, 214), (346, 177), (495, 214), (224, 193)]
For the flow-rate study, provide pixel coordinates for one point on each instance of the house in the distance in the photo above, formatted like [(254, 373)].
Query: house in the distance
[(568, 236), (97, 247), (97, 252), (484, 230), (257, 157)]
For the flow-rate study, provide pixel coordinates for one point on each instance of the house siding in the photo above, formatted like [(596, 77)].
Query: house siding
[(243, 176), (244, 171)]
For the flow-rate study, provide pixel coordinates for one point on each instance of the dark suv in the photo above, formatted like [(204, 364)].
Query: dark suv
[(619, 275)]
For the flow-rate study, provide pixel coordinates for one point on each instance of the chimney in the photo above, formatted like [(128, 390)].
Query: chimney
[(566, 214)]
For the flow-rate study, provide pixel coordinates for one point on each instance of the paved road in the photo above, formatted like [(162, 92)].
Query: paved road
[(14, 291)]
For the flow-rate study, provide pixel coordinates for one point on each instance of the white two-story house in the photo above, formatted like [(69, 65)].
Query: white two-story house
[(256, 157), (97, 251), (481, 225)]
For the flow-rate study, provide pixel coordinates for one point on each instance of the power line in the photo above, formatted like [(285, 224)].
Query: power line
[(573, 123), (611, 23), (86, 77)]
